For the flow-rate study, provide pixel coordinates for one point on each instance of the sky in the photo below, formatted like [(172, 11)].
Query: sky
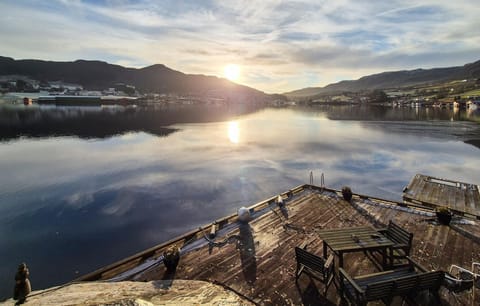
[(278, 46)]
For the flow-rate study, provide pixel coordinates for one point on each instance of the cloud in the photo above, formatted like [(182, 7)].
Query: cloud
[(281, 45), (121, 205), (349, 58), (79, 200), (267, 59)]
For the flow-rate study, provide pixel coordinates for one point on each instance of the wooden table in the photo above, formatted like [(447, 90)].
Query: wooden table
[(356, 239)]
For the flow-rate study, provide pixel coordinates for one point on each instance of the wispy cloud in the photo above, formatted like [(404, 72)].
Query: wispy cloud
[(280, 45)]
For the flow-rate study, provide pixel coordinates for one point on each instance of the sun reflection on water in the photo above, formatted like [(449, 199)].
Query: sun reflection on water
[(233, 132)]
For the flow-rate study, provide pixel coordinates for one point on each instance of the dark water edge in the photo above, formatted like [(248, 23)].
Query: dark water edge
[(81, 188), (473, 142), (105, 122)]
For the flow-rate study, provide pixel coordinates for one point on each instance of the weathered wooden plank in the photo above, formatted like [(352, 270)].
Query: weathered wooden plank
[(468, 200), (433, 192), (476, 197), (413, 185), (460, 204), (458, 195), (420, 186), (424, 193), (451, 196)]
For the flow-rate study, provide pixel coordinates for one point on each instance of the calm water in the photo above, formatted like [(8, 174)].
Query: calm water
[(81, 188)]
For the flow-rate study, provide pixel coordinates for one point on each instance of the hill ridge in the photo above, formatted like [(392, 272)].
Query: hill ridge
[(391, 79), (97, 75)]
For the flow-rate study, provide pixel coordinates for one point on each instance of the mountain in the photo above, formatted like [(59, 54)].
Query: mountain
[(95, 75), (394, 79)]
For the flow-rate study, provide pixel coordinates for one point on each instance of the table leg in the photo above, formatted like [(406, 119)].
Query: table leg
[(324, 249), (384, 258), (390, 257), (340, 259)]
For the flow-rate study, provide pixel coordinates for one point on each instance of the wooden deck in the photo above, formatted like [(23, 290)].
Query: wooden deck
[(257, 259), (461, 198)]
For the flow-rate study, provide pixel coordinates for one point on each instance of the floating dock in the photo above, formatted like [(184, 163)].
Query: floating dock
[(257, 259), (461, 198)]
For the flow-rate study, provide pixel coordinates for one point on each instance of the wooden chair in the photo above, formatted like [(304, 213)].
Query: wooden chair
[(401, 238), (315, 266)]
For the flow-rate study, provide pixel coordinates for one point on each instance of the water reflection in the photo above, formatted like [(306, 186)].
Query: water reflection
[(69, 205), (104, 122), (380, 113), (233, 132), (473, 115)]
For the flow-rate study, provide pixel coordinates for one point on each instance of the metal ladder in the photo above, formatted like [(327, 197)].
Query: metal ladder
[(322, 180)]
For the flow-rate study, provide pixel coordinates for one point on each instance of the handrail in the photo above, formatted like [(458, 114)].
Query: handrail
[(460, 269)]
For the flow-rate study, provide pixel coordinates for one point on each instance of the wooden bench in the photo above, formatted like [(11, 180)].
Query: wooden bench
[(401, 238), (405, 282), (314, 266)]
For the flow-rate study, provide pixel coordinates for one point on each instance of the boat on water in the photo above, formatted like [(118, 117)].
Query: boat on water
[(27, 101)]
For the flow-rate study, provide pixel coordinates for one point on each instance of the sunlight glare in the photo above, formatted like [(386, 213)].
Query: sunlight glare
[(231, 72), (233, 132)]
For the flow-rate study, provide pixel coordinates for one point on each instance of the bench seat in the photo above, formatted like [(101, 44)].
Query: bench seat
[(403, 282)]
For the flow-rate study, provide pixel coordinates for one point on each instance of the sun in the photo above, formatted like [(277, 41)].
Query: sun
[(231, 72)]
